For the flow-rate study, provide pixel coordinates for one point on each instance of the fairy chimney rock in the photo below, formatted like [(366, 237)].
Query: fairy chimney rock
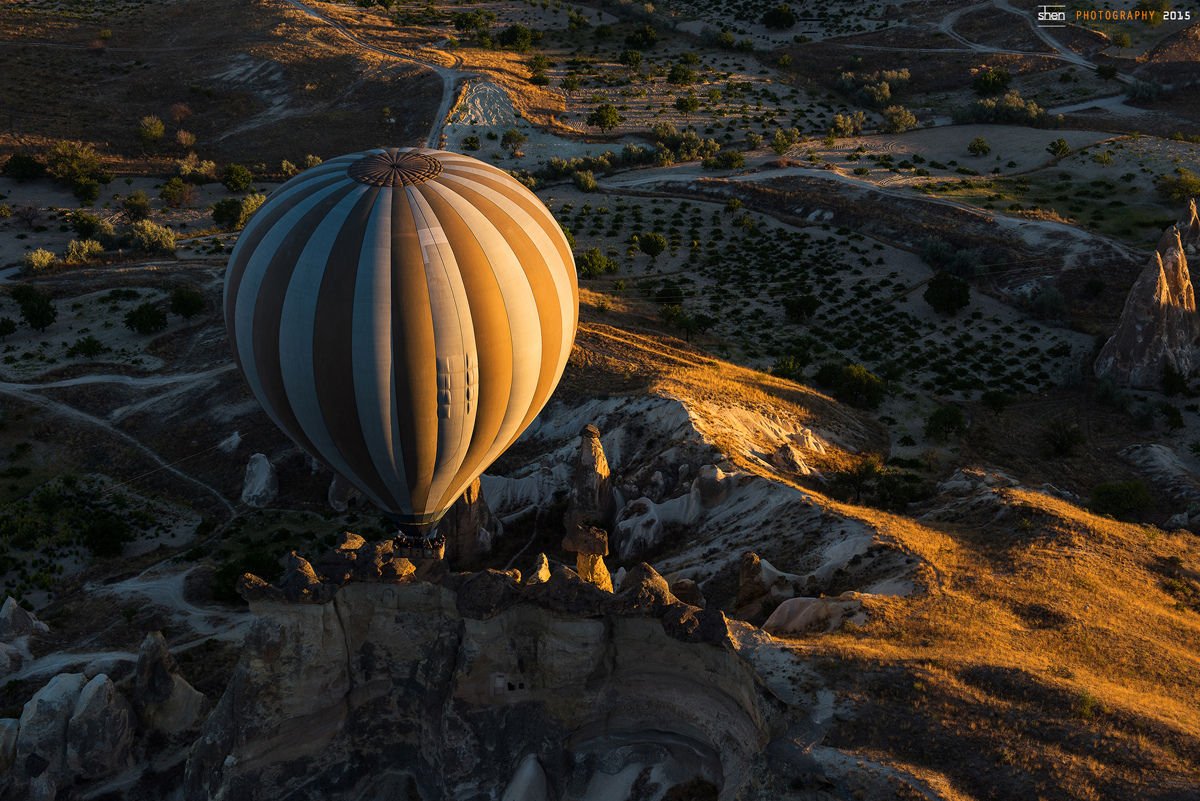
[(591, 488)]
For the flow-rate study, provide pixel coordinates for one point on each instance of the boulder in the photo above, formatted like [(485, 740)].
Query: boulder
[(100, 731), (261, 484), (1158, 326), (714, 486), (343, 495), (8, 743), (591, 568), (1177, 521), (789, 459), (759, 581), (230, 443), (591, 495), (16, 622), (162, 698), (808, 441), (541, 570), (797, 615), (529, 783), (41, 752), (300, 583), (688, 591), (337, 564), (469, 527)]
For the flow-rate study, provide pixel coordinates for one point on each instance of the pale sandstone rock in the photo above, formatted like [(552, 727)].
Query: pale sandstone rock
[(591, 488), (469, 527), (100, 731), (162, 698), (261, 484)]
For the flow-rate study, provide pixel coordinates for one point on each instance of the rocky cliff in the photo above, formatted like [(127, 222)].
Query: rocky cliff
[(1159, 326), (479, 685)]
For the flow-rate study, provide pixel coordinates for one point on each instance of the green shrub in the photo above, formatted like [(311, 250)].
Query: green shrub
[(86, 191), (154, 240), (780, 17), (593, 264), (237, 178), (174, 192), (1179, 187), (136, 206), (1120, 498), (1062, 438), (150, 130), (585, 181), (947, 294), (1050, 305), (470, 142), (852, 383), (992, 82), (898, 119), (88, 347), (89, 226), (233, 213), (70, 160), (21, 167), (186, 303), (37, 262), (943, 423), (146, 319), (82, 250), (1009, 109)]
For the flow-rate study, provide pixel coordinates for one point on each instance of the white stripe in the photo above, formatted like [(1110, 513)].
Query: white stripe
[(521, 309), (454, 348)]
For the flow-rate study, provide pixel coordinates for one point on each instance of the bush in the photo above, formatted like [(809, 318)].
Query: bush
[(233, 213), (517, 37), (993, 82), (1010, 109), (154, 240), (947, 294), (37, 262), (1174, 382), (652, 244), (593, 264), (780, 18), (1143, 91), (105, 534), (86, 191), (1120, 498), (88, 347), (37, 310), (311, 161), (82, 250), (630, 58), (146, 319), (605, 117), (585, 181), (150, 131), (175, 192), (186, 303), (1050, 305), (1059, 148), (979, 147), (1180, 187), (21, 167), (964, 263), (89, 226), (852, 383), (196, 171), (470, 142), (643, 38), (237, 178), (943, 423), (936, 252), (1062, 438), (800, 307), (70, 160), (725, 160), (136, 206), (256, 561), (898, 119)]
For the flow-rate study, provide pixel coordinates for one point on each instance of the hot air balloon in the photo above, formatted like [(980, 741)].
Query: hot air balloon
[(402, 315)]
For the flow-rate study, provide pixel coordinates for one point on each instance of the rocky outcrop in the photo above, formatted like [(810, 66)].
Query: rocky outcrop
[(163, 699), (1166, 473), (261, 484), (760, 583), (1159, 326), (799, 615), (689, 593), (16, 626), (590, 546), (590, 500), (342, 495), (469, 527), (479, 687), (100, 731)]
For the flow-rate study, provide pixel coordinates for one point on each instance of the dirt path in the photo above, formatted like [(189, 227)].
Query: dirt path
[(449, 75)]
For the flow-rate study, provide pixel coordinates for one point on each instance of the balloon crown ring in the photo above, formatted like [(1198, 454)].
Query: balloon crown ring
[(394, 169)]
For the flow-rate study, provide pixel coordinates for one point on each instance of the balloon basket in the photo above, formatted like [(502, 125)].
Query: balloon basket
[(419, 548)]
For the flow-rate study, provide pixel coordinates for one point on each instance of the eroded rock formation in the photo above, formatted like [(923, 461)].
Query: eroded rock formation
[(478, 686), (261, 484), (1159, 326), (591, 499), (163, 699), (469, 527)]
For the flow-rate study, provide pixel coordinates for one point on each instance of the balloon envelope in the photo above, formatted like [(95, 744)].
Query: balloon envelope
[(402, 315)]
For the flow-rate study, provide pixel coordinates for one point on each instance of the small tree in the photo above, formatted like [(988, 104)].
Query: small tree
[(801, 307), (605, 117), (150, 131), (136, 206), (947, 294), (21, 167), (652, 244), (7, 327), (237, 178), (186, 303), (1179, 187), (780, 17), (1121, 40), (979, 147), (753, 140), (70, 160), (86, 191), (993, 82), (1120, 498), (996, 400), (943, 423), (1106, 72), (1062, 438), (1059, 148), (39, 312), (630, 58), (860, 475), (146, 319), (681, 76), (513, 139), (687, 104), (898, 119)]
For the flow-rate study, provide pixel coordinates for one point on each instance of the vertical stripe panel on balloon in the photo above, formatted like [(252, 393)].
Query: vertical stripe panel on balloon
[(520, 307), (268, 310), (510, 222), (545, 220), (297, 325), (371, 349), (493, 339), (246, 297), (413, 349), (333, 357), (274, 209), (454, 341)]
